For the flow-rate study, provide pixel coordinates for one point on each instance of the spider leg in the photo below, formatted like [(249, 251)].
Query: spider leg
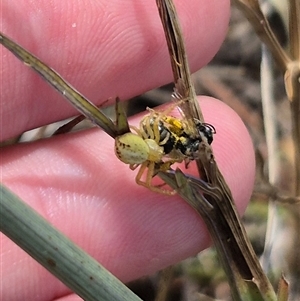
[(149, 127), (138, 132), (156, 137), (150, 174), (134, 166), (140, 174)]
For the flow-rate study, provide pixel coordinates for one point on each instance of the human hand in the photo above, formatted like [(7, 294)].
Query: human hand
[(75, 180)]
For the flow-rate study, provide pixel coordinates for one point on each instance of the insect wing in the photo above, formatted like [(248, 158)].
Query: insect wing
[(186, 108)]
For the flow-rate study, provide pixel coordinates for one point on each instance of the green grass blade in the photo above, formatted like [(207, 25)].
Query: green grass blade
[(80, 272)]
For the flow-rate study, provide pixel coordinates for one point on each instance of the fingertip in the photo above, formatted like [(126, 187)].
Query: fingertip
[(78, 184), (104, 49)]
